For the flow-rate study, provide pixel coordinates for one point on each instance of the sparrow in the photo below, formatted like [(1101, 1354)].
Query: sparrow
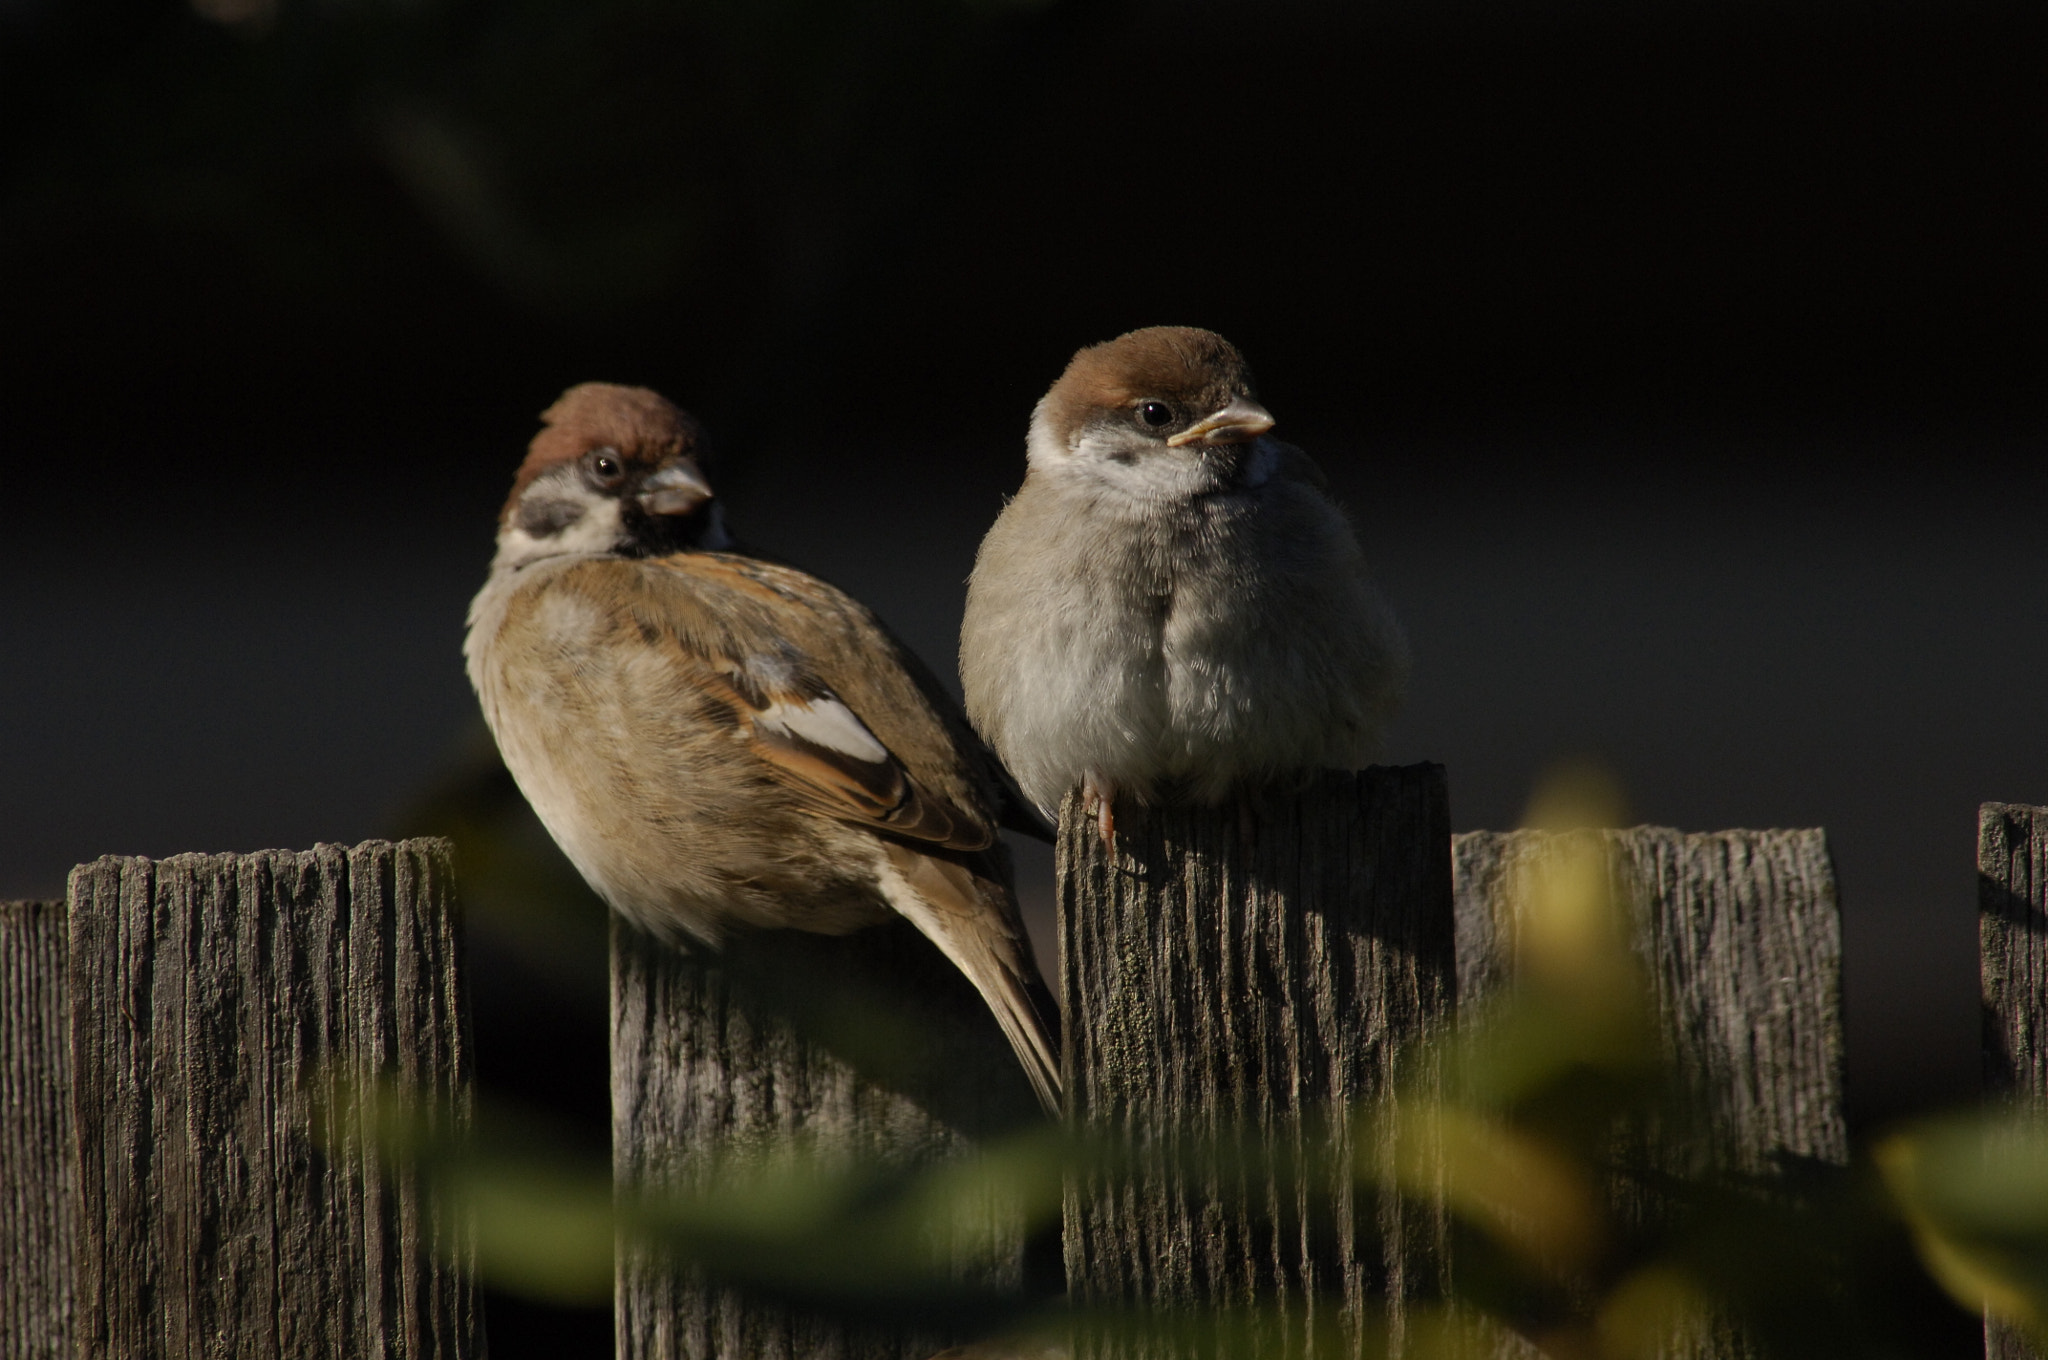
[(716, 739), (1172, 605)]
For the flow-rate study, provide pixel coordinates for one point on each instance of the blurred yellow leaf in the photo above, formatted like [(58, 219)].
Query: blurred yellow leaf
[(1642, 1314), (1527, 1194), (1571, 927), (1574, 795)]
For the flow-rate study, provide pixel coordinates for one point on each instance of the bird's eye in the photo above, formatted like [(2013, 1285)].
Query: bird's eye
[(606, 471), (1156, 414)]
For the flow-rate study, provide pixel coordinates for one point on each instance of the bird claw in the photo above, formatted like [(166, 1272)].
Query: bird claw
[(1098, 799)]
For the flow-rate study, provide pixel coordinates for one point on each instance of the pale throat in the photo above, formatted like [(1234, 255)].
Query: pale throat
[(1144, 471)]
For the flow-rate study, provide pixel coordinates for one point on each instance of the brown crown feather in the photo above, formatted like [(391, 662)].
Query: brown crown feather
[(643, 425), (1176, 363)]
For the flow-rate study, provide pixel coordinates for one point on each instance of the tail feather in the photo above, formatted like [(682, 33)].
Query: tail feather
[(974, 922)]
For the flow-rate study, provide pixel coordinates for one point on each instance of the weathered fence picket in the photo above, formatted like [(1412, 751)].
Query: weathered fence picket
[(1740, 932), (868, 1047), (234, 1197), (1740, 935), (35, 1134), (2012, 924), (1254, 970)]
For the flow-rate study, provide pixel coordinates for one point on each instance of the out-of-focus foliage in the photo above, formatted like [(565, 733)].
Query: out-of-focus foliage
[(1541, 1139), (1975, 1190)]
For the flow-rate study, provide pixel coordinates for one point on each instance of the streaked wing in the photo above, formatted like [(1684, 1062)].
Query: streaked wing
[(810, 739), (824, 754)]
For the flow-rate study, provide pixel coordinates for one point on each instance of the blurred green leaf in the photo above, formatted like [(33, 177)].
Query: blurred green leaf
[(541, 1230), (1974, 1188)]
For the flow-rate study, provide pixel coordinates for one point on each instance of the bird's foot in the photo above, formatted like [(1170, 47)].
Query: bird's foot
[(1098, 798)]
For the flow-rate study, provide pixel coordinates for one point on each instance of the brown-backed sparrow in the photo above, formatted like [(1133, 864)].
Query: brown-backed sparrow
[(1172, 605), (714, 738)]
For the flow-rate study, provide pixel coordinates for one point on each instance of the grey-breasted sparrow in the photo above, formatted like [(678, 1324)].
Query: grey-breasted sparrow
[(1172, 603)]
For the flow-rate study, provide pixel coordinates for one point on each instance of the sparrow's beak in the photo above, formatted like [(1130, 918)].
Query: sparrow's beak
[(1242, 420), (675, 489)]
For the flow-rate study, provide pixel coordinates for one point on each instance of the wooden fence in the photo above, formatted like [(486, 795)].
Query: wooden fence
[(186, 1168), (2012, 923)]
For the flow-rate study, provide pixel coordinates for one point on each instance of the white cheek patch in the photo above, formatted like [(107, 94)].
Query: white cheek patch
[(1043, 448), (827, 723), (597, 531), (1145, 474), (559, 516), (1100, 446)]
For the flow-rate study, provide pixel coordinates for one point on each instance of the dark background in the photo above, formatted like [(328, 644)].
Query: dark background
[(1682, 365)]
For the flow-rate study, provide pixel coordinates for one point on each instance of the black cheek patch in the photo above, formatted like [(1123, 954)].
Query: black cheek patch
[(545, 518)]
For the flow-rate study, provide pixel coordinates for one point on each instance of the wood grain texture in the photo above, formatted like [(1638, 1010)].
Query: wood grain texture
[(1254, 970), (35, 1134), (1740, 934), (233, 1200), (870, 1048), (2012, 925)]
